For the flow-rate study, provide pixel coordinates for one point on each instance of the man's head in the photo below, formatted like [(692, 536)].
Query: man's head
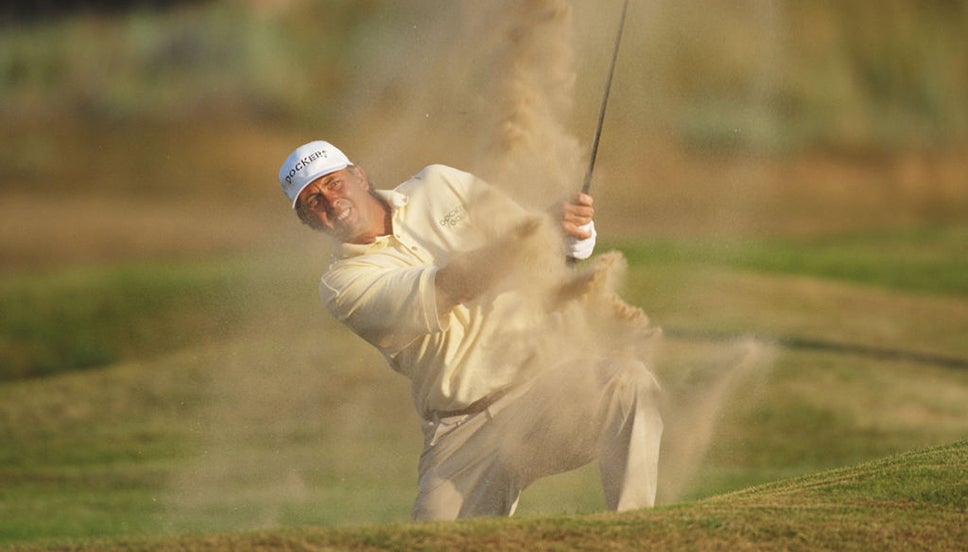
[(331, 194)]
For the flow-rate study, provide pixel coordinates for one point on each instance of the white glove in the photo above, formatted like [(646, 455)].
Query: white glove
[(581, 249)]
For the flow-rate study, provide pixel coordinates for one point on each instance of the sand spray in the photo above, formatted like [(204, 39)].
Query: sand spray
[(537, 157)]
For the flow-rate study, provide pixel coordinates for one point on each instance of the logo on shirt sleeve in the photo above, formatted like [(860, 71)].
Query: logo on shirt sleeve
[(454, 217)]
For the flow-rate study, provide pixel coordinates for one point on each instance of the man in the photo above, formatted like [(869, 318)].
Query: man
[(438, 274)]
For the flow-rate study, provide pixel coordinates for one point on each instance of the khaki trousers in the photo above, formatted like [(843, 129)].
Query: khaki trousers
[(605, 410)]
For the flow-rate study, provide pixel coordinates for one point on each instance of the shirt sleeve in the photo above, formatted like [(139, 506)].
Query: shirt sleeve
[(388, 307)]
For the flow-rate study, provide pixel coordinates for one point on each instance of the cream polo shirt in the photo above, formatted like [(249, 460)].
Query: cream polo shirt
[(384, 291)]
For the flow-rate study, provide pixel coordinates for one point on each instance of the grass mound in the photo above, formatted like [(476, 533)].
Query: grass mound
[(915, 499)]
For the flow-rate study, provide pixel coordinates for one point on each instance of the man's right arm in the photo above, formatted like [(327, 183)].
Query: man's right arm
[(386, 305)]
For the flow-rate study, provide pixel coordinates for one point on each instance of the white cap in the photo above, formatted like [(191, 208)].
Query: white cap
[(306, 164)]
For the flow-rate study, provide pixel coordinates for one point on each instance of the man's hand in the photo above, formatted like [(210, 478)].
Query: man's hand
[(575, 213)]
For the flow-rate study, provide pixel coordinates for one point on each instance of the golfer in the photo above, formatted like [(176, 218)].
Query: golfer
[(421, 273)]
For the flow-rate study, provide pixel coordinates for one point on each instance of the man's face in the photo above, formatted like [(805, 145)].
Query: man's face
[(341, 203)]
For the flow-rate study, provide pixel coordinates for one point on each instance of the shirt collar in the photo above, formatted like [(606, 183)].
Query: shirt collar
[(393, 198)]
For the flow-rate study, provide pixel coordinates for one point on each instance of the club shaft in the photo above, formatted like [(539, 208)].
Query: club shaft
[(586, 186)]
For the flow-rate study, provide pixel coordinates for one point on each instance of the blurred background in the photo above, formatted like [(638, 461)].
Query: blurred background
[(788, 170)]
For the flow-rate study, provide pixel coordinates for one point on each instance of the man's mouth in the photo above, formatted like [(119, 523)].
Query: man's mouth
[(341, 210)]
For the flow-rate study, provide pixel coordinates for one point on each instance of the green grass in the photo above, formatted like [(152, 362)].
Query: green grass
[(276, 417), (85, 318), (915, 499), (929, 260)]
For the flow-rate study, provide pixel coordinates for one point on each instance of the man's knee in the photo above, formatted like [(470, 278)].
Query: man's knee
[(441, 503), (630, 386), (632, 375)]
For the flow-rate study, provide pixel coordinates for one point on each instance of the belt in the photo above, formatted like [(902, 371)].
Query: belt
[(475, 407)]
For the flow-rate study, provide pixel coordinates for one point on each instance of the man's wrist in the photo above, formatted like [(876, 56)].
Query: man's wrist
[(581, 249)]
